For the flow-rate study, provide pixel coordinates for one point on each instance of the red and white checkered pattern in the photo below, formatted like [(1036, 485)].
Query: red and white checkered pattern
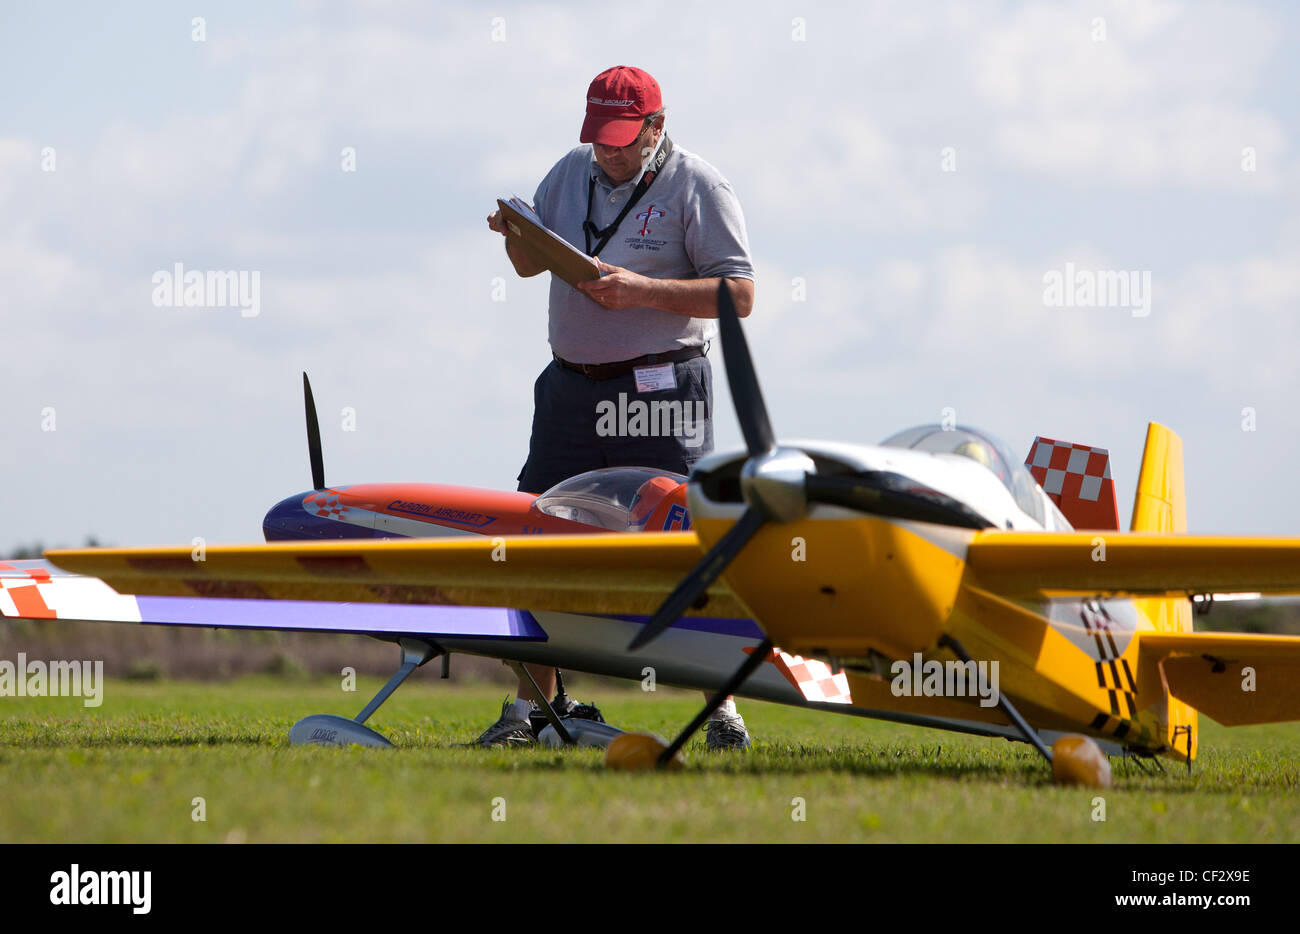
[(325, 503), (1077, 477), (814, 679)]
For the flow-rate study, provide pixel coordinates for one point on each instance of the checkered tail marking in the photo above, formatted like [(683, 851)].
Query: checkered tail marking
[(1077, 478)]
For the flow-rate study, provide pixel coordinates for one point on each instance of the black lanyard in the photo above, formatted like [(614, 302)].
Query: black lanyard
[(647, 178)]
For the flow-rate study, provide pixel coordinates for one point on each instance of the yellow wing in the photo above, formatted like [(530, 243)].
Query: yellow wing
[(1058, 563), (604, 574)]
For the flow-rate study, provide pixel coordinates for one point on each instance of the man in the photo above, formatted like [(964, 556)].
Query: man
[(665, 227)]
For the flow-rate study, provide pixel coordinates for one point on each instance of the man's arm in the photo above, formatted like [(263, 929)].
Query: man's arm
[(619, 288), (525, 265)]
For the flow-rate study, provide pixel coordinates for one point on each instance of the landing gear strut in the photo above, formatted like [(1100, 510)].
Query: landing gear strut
[(1007, 708), (325, 729)]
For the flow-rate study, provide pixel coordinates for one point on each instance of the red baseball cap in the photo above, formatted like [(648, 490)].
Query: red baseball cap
[(618, 102)]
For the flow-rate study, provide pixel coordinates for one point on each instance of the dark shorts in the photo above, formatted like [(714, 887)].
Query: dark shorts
[(582, 424)]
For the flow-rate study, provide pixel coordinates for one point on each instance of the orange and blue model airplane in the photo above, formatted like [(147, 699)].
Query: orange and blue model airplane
[(932, 579)]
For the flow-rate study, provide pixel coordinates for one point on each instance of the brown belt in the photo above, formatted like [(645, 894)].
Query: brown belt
[(623, 367)]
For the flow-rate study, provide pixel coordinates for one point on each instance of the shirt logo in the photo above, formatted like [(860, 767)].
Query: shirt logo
[(648, 215)]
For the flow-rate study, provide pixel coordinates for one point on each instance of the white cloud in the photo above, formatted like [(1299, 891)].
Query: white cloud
[(1132, 108)]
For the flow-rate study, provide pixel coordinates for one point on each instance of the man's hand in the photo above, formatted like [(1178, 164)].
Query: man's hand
[(524, 264), (618, 288)]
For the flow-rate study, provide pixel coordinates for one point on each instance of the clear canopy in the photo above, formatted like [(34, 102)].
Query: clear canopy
[(605, 498), (982, 448)]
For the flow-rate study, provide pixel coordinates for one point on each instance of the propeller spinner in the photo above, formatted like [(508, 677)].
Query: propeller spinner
[(773, 480), (778, 483)]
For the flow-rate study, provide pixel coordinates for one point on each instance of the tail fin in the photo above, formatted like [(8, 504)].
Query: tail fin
[(1077, 478), (1160, 505)]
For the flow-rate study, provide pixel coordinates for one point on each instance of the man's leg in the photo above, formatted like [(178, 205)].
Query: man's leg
[(668, 428), (562, 445), (513, 727), (563, 442), (678, 432), (726, 728)]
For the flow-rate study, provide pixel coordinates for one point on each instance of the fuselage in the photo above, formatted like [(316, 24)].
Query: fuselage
[(868, 591), (859, 593)]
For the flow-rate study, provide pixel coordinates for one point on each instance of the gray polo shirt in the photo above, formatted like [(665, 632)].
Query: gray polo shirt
[(688, 225)]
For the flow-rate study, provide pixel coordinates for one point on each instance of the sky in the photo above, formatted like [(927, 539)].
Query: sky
[(913, 176)]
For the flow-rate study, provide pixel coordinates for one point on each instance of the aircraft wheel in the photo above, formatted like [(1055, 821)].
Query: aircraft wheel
[(637, 752), (1077, 760)]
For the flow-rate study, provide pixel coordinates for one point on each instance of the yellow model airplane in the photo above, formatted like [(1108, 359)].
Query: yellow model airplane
[(931, 570)]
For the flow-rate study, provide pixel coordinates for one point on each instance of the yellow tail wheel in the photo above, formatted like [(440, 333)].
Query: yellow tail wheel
[(1077, 760), (637, 752)]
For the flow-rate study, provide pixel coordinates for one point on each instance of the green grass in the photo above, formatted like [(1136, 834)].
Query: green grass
[(129, 770)]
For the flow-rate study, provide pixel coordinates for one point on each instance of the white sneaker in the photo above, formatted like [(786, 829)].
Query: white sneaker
[(727, 732), (507, 731)]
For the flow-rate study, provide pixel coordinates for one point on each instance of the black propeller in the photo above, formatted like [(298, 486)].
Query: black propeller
[(313, 437), (777, 483), (742, 378), (694, 584), (772, 479)]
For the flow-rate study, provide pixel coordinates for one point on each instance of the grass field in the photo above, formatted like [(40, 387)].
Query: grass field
[(129, 771)]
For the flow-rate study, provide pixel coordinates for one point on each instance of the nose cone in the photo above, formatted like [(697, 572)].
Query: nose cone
[(319, 514), (315, 514), (287, 521)]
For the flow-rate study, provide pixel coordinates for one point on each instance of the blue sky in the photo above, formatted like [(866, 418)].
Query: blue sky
[(924, 287)]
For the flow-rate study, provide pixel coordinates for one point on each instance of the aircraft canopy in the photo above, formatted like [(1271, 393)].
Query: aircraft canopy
[(982, 448), (607, 498)]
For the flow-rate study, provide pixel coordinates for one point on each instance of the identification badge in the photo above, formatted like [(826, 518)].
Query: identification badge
[(655, 378)]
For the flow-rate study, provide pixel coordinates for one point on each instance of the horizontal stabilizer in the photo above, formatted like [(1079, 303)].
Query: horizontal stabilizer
[(1234, 678), (1140, 563)]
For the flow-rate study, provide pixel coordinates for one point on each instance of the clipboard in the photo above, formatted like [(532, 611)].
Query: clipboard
[(562, 258)]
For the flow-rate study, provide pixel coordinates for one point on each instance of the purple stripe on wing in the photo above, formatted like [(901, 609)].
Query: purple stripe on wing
[(401, 619)]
